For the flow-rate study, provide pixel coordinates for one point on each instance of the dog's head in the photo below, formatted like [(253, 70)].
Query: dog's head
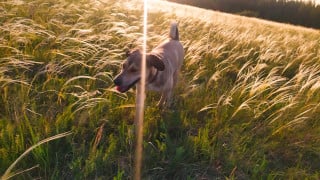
[(131, 69)]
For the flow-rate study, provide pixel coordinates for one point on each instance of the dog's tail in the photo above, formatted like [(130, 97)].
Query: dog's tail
[(174, 33)]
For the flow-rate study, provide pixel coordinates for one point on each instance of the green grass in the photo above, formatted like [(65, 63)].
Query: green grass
[(246, 107)]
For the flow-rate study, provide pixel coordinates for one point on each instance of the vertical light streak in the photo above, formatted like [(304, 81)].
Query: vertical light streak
[(140, 99)]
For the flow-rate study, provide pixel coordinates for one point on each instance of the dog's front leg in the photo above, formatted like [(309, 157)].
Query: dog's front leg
[(165, 100), (139, 96), (166, 94), (161, 101)]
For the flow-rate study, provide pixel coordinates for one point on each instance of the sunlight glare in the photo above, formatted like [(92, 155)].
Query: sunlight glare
[(140, 99)]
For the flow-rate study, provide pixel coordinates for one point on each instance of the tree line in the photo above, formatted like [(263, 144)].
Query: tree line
[(286, 11)]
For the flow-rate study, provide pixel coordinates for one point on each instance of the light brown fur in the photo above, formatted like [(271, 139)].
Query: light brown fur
[(163, 65)]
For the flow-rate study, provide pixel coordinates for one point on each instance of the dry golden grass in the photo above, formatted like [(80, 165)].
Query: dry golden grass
[(246, 107)]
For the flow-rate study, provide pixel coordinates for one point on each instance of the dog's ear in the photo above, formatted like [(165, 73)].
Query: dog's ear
[(155, 61), (129, 47), (128, 53)]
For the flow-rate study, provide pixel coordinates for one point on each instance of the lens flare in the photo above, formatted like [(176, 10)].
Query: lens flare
[(140, 99)]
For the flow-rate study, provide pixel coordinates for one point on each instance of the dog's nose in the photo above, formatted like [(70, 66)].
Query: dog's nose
[(117, 81)]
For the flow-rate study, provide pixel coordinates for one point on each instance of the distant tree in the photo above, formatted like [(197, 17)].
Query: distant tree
[(288, 11)]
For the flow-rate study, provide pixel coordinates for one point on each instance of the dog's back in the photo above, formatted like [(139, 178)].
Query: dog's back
[(171, 51)]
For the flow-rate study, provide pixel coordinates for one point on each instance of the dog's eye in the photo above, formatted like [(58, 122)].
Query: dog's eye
[(133, 70)]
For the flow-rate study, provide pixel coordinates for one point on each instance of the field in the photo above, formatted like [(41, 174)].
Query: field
[(246, 107)]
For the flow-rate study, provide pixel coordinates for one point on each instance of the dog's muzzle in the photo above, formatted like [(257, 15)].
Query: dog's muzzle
[(121, 87)]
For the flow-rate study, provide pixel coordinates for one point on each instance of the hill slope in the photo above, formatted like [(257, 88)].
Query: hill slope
[(247, 104)]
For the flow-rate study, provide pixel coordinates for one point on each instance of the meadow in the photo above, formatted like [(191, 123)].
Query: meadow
[(246, 107)]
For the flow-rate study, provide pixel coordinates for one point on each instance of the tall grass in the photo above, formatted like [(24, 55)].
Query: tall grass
[(8, 174), (246, 107)]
